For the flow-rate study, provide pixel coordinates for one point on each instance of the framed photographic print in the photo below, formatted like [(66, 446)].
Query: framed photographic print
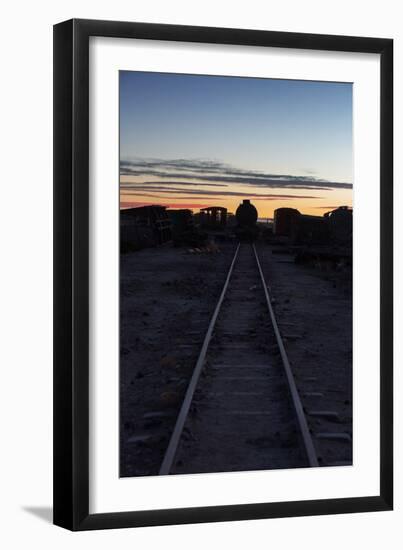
[(223, 274)]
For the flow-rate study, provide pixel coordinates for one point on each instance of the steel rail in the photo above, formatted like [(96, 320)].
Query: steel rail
[(296, 400), (183, 413)]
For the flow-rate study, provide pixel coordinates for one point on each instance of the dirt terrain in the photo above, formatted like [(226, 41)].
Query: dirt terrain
[(167, 298), (313, 308)]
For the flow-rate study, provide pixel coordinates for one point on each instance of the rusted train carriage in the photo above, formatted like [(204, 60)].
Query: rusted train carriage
[(184, 230), (246, 218), (213, 217), (334, 227), (144, 227), (340, 223)]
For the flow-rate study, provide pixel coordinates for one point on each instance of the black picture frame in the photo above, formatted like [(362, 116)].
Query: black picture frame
[(71, 274)]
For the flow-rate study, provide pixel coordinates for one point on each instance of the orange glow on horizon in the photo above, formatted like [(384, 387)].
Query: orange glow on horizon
[(265, 208), (194, 195)]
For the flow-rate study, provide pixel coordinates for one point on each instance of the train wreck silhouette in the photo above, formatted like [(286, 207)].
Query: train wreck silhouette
[(150, 226)]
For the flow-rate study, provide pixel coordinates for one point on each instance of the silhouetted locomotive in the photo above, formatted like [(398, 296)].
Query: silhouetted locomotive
[(333, 227), (246, 218)]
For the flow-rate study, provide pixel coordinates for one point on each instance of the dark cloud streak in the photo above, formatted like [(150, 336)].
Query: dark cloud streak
[(135, 184), (201, 193), (212, 171)]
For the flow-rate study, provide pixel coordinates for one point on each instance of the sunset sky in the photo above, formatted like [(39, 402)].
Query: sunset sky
[(190, 141)]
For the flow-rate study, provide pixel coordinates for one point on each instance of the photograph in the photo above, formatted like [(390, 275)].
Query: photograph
[(236, 262), (201, 281)]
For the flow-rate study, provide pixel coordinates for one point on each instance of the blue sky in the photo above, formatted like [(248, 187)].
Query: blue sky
[(245, 126)]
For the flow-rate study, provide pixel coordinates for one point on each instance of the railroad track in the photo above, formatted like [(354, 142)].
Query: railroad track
[(242, 409)]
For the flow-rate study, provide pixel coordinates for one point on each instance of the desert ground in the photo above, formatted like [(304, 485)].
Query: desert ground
[(167, 298)]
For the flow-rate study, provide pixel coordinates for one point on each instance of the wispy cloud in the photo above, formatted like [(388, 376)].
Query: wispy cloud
[(205, 171), (137, 184), (136, 204), (200, 193), (328, 207)]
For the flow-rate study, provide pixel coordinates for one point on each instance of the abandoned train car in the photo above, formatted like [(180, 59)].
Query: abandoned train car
[(143, 227), (213, 217), (285, 221), (340, 223), (246, 218), (184, 230), (334, 227)]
